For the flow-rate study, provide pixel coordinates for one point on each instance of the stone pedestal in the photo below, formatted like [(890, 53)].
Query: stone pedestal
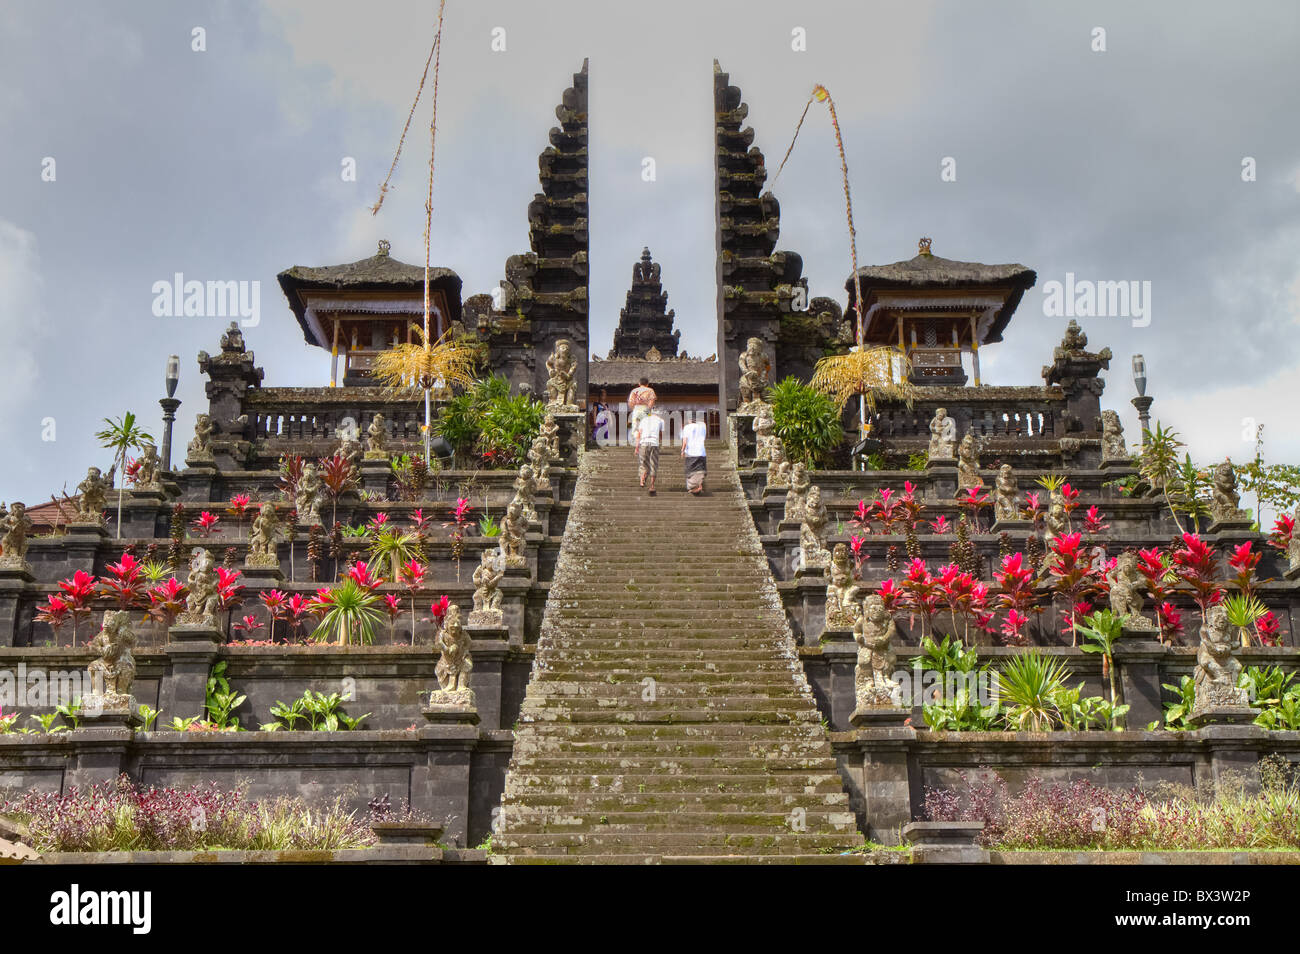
[(880, 717), (840, 653), (883, 744), (1236, 522), (406, 834), (489, 647), (199, 477), (571, 431), (744, 442), (260, 577), (1013, 527), (1293, 573), (191, 649), (452, 708), (1138, 657), (1224, 716), (375, 473), (946, 843), (92, 717), (942, 474), (13, 581)]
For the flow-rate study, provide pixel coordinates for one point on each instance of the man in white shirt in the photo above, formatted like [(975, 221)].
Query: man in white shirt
[(649, 432), (693, 435)]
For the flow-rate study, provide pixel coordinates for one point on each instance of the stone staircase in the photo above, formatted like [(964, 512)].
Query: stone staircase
[(668, 719)]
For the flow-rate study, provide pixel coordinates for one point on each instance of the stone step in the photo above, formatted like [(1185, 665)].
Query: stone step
[(652, 822), (683, 842), (775, 716), (637, 858), (653, 784)]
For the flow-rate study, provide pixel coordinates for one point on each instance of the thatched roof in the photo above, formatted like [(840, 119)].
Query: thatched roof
[(616, 373), (380, 273), (927, 271)]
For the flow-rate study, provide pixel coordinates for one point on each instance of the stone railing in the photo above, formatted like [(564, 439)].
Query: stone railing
[(317, 414), (1007, 412)]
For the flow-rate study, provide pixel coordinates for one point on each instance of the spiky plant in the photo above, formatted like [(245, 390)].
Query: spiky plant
[(1028, 685)]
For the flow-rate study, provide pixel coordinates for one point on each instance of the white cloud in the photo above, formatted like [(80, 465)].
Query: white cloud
[(21, 318)]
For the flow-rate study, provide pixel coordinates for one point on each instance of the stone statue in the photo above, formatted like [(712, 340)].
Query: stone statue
[(1126, 592), (1053, 526), (233, 339), (203, 602), (146, 475), (968, 464), (764, 432), (1225, 502), (307, 500), (550, 432), (377, 439), (795, 497), (1217, 670), (487, 591), (513, 527), (560, 384), (1112, 437), (454, 663), (540, 462), (842, 605), (94, 495), (873, 677), (350, 449), (14, 525), (113, 673), (200, 448), (262, 537), (753, 376), (526, 491), (812, 531), (778, 476), (943, 436), (1006, 494)]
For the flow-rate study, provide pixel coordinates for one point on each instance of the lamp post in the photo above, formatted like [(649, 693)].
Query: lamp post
[(1142, 402), (169, 405)]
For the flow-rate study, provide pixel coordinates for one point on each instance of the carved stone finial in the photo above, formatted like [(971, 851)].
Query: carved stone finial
[(923, 246), (384, 246)]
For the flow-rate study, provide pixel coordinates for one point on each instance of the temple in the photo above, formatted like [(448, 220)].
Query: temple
[(643, 324)]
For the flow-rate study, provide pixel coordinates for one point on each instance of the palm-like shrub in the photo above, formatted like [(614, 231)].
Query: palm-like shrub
[(487, 420), (348, 610), (1028, 686), (807, 421)]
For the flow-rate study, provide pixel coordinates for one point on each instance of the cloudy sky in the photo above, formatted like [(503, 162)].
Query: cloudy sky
[(225, 164)]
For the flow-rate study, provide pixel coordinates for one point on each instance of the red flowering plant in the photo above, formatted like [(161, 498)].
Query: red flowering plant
[(860, 556), (248, 626), (78, 593), (1197, 566), (1071, 498), (132, 470), (276, 603), (297, 611), (910, 510), (976, 499), (1073, 576), (1160, 580), (1244, 562), (861, 518), (206, 523), (460, 519), (1017, 595), (438, 612), (125, 583), (1268, 629), (56, 611), (360, 574), (238, 507), (966, 598), (885, 509), (1283, 528), (891, 596), (940, 524), (229, 589), (1034, 511), (412, 576), (338, 476), (922, 594), (1170, 620), (1094, 521), (167, 600), (392, 606)]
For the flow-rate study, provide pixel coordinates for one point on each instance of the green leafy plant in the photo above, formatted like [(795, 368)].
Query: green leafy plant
[(148, 716), (121, 436), (221, 701), (957, 669), (349, 612), (1103, 630), (1178, 714), (46, 722), (489, 527), (806, 420), (289, 714), (1028, 685), (395, 546), (1080, 714), (1159, 465), (71, 713)]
